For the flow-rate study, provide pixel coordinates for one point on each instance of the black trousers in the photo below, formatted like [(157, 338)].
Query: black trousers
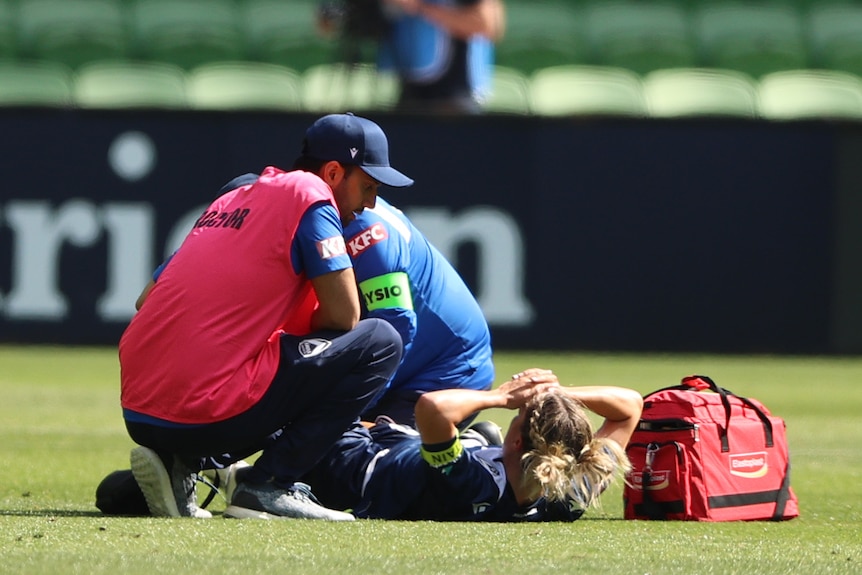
[(324, 381)]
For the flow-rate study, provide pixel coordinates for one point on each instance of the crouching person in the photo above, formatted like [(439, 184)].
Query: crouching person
[(249, 338)]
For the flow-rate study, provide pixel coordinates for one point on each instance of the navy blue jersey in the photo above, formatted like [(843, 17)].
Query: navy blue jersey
[(381, 474), (407, 281)]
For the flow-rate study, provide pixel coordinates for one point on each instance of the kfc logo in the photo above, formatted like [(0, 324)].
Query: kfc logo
[(331, 247), (366, 238)]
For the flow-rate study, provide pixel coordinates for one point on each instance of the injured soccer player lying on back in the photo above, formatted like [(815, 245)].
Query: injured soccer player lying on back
[(551, 466)]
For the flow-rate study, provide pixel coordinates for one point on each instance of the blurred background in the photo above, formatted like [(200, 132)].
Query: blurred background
[(774, 58), (643, 175)]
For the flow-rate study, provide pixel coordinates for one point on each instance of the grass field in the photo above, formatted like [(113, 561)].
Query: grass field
[(61, 432)]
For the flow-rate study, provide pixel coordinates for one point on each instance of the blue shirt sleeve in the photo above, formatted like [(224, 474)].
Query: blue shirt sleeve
[(162, 267), (384, 257), (319, 223)]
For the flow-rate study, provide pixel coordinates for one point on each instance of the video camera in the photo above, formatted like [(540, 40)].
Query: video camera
[(355, 19), (359, 25)]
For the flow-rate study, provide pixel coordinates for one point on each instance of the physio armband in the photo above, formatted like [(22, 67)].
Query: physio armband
[(387, 291)]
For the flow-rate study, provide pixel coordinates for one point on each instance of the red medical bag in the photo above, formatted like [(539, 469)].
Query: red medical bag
[(702, 453)]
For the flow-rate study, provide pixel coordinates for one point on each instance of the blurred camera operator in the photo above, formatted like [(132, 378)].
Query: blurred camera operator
[(441, 50)]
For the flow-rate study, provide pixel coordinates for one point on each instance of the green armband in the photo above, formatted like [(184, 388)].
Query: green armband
[(387, 291), (442, 455)]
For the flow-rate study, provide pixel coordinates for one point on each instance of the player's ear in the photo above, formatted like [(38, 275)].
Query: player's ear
[(332, 173), (517, 443)]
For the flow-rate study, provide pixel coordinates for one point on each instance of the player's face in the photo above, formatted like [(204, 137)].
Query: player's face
[(355, 192), (513, 434)]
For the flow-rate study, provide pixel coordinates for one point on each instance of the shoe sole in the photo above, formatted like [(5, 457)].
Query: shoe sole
[(154, 481), (234, 512)]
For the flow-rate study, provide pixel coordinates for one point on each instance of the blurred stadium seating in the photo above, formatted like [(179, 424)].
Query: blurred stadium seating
[(753, 38), (8, 31), (586, 90), (685, 57), (836, 36), (510, 92), (640, 36), (337, 87), (185, 32), (119, 84), (810, 94), (72, 32), (244, 85), (676, 92), (284, 32), (35, 84), (542, 33)]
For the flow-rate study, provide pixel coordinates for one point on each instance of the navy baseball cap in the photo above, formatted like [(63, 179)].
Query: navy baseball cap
[(353, 140)]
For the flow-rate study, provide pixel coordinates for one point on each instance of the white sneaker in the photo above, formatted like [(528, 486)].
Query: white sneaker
[(225, 479), (267, 501), (169, 488)]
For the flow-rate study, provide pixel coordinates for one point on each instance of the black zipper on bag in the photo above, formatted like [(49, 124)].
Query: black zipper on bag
[(665, 425)]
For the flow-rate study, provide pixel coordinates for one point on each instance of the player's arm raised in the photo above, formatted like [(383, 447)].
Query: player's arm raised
[(439, 412), (621, 407)]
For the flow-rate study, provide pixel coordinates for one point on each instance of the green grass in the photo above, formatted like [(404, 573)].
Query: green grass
[(61, 432)]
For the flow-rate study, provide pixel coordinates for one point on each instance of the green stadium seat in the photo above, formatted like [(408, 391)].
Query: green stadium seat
[(640, 36), (797, 94), (586, 90), (35, 84), (186, 33), (285, 32), (244, 85), (8, 31), (679, 92), (71, 31), (130, 85), (835, 36), (540, 34), (343, 87), (510, 92), (753, 38)]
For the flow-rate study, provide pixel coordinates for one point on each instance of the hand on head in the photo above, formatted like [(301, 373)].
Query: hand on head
[(524, 386)]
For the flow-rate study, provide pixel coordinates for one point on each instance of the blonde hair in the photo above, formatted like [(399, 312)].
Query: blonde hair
[(562, 458)]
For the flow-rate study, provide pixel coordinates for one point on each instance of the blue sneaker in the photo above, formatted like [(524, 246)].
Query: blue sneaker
[(267, 501)]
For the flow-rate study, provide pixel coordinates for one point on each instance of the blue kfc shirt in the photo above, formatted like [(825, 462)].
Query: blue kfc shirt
[(407, 281)]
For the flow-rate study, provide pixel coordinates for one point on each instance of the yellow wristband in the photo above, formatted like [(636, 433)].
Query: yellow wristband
[(447, 456)]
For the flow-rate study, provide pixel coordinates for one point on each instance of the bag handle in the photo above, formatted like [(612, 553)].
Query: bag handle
[(703, 383), (783, 495)]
